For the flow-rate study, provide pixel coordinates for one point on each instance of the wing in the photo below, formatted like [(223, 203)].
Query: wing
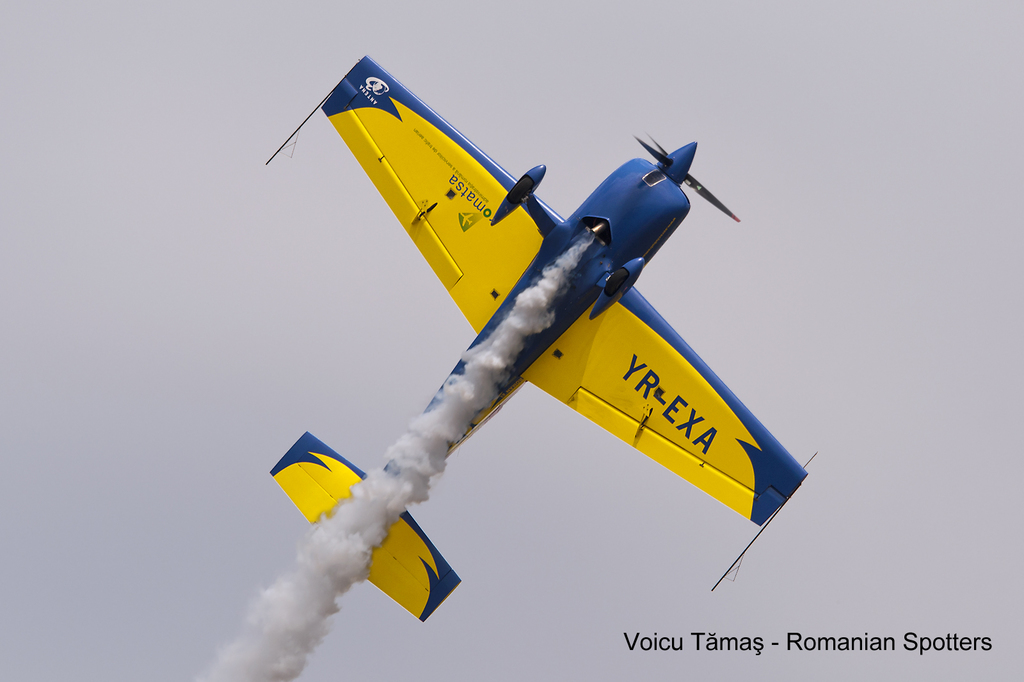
[(631, 373), (442, 189)]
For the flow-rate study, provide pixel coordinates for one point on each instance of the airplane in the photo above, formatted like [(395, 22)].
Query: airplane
[(608, 354)]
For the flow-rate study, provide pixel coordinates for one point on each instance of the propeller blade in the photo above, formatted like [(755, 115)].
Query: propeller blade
[(660, 148), (701, 190), (660, 154)]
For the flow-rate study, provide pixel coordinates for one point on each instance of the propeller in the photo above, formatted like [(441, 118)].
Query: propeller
[(660, 154), (684, 155), (701, 190)]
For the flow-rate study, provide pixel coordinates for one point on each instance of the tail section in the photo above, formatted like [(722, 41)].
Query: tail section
[(407, 567)]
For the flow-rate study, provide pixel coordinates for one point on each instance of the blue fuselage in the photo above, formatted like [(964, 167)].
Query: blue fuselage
[(641, 214)]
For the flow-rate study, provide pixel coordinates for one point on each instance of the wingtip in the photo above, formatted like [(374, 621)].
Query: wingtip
[(735, 218)]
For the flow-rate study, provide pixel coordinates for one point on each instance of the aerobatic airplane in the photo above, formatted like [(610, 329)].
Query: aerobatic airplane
[(608, 355)]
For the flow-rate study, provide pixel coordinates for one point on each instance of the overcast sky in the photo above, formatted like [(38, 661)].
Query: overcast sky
[(175, 315)]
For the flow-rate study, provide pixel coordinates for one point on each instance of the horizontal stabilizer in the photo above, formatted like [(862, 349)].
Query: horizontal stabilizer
[(406, 567)]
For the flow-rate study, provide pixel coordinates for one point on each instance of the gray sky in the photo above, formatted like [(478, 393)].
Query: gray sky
[(175, 315)]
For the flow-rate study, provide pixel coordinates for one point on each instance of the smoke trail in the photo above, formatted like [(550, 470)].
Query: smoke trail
[(292, 616)]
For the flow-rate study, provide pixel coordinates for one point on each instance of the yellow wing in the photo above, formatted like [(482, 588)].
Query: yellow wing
[(631, 373), (442, 189)]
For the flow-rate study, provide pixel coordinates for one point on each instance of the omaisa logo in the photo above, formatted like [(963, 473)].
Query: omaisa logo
[(376, 86)]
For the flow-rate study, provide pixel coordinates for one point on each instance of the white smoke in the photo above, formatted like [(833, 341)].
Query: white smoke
[(291, 617)]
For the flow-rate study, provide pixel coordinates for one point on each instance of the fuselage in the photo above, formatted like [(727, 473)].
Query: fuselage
[(642, 208)]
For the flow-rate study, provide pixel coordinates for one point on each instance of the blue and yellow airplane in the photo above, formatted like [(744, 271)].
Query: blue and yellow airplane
[(608, 355)]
